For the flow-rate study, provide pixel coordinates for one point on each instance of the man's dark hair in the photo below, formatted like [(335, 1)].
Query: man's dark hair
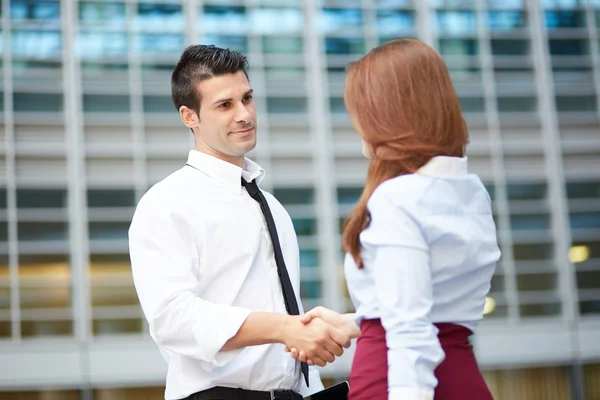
[(197, 63)]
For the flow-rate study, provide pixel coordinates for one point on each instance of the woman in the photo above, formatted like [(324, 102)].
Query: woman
[(421, 242)]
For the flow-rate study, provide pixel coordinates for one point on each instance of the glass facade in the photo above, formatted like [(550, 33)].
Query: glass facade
[(89, 126)]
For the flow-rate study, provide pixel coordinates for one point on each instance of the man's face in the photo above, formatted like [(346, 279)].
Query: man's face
[(227, 125)]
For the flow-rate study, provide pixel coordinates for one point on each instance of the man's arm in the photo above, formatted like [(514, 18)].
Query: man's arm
[(162, 251), (318, 338)]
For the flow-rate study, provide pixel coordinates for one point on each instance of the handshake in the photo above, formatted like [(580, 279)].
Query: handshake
[(320, 335)]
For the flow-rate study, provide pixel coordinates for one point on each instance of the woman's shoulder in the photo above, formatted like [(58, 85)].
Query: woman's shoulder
[(404, 189)]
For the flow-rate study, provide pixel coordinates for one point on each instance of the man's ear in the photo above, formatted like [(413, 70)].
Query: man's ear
[(189, 117)]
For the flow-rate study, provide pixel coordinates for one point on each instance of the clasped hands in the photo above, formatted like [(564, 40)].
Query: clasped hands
[(320, 336)]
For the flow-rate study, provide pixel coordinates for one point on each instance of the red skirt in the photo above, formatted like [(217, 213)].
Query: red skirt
[(458, 375)]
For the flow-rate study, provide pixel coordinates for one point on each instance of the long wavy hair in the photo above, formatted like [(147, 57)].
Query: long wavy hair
[(401, 100)]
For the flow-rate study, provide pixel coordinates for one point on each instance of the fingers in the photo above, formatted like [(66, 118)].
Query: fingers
[(306, 318), (339, 337)]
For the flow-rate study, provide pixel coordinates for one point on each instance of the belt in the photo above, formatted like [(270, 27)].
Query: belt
[(225, 393)]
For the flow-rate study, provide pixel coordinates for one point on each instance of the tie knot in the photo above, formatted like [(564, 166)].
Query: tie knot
[(251, 187)]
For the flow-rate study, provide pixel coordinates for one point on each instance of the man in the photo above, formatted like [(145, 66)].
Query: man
[(205, 262)]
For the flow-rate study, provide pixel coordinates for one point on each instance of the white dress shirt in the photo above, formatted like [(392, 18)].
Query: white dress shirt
[(202, 261), (429, 254)]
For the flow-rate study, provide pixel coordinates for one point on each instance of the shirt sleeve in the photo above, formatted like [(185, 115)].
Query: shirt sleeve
[(162, 251), (398, 255)]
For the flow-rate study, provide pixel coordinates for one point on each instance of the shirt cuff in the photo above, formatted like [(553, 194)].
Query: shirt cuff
[(409, 393), (235, 317)]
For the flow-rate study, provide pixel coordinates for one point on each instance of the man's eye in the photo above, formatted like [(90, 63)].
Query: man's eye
[(223, 105), (247, 98)]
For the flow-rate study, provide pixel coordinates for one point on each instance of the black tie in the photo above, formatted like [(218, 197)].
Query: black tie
[(291, 305)]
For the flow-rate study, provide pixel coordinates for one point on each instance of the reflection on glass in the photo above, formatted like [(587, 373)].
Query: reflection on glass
[(589, 307), (104, 14), (497, 284), (536, 282), (504, 4), (273, 44), (41, 198), (505, 20), (305, 226), (159, 17), (575, 103), (472, 104), (455, 22), (237, 43), (348, 195), (309, 258), (105, 103), (44, 297), (276, 20), (36, 44), (530, 252), (295, 74), (5, 329), (340, 19), (95, 46), (116, 326), (510, 47), (394, 3), (156, 103), (565, 19), (540, 310), (462, 47), (4, 298), (108, 230), (294, 196), (528, 222), (588, 279), (527, 191), (42, 231), (344, 46), (336, 105), (583, 190), (517, 104), (215, 18), (562, 3), (35, 10), (452, 3), (159, 43), (390, 22), (568, 47), (585, 220), (30, 329), (286, 105), (310, 289)]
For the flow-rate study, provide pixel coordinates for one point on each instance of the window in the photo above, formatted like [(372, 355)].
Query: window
[(344, 45), (277, 20), (41, 198), (109, 230), (285, 105), (341, 19), (42, 231), (105, 103), (38, 102), (111, 198), (272, 44), (216, 17), (294, 196)]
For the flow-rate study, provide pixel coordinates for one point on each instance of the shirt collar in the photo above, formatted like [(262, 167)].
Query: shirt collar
[(445, 166), (224, 171)]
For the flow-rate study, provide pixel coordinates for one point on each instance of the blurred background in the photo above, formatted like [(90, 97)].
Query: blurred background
[(88, 126)]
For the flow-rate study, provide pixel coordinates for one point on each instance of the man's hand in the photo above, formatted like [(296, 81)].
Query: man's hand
[(317, 340), (344, 322)]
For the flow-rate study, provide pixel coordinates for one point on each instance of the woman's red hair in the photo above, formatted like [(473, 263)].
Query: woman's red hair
[(401, 100)]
